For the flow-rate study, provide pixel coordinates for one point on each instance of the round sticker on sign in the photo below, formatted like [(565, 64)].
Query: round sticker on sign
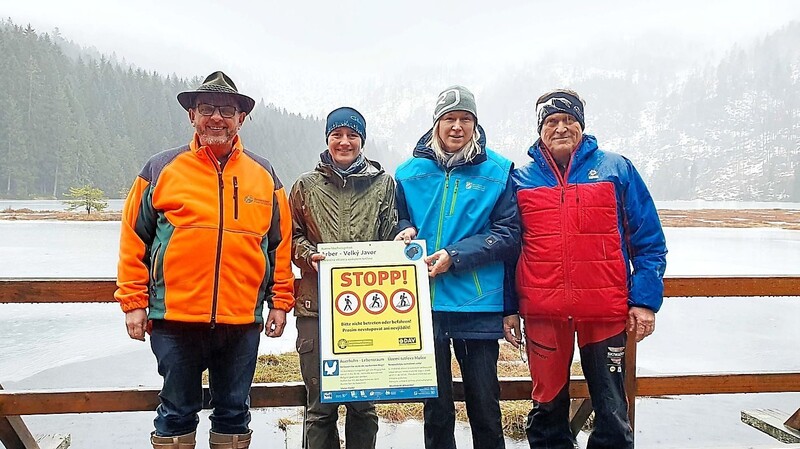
[(413, 251)]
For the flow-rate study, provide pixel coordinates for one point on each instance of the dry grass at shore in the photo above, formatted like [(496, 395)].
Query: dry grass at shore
[(711, 218), (286, 368), (731, 218), (29, 214)]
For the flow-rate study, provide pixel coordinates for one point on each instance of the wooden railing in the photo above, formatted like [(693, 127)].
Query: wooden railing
[(44, 402)]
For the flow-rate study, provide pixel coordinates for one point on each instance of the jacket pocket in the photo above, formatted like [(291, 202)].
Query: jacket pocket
[(304, 345), (306, 294), (235, 198), (154, 270), (478, 289)]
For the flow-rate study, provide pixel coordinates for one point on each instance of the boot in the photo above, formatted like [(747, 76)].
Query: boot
[(230, 441), (177, 442)]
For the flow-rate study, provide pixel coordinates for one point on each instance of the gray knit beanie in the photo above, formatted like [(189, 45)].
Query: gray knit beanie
[(455, 98)]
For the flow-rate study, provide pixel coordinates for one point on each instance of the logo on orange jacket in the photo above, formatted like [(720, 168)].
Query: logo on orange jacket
[(249, 199)]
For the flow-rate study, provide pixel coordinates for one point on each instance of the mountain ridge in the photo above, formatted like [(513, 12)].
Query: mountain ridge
[(697, 125)]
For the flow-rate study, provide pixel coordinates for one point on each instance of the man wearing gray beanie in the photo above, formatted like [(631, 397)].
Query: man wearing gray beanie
[(455, 193)]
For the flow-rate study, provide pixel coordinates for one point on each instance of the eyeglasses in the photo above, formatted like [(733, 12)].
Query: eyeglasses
[(208, 110)]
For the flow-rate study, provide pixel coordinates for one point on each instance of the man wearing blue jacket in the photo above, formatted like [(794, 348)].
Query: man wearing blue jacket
[(592, 262), (456, 194)]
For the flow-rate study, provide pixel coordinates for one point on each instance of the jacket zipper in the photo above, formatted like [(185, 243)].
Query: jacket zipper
[(235, 198), (442, 209), (477, 283), (221, 186), (567, 269), (562, 182), (155, 267), (455, 195)]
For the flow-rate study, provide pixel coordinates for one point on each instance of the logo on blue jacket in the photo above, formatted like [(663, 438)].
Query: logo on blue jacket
[(475, 186)]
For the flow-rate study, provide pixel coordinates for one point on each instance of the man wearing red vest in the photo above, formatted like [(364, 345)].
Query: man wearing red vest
[(592, 262)]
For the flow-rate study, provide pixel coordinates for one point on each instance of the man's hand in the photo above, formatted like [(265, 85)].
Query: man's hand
[(276, 321), (406, 235), (136, 323), (315, 258), (642, 320), (512, 330), (438, 263)]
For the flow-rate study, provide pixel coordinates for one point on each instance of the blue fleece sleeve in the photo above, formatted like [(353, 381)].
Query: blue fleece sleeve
[(510, 298), (403, 217), (647, 248)]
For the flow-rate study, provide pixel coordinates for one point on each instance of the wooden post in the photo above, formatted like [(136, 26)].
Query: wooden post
[(630, 377), (579, 411), (794, 421), (14, 434)]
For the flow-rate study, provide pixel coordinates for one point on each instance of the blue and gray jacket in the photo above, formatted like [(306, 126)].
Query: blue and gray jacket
[(469, 210)]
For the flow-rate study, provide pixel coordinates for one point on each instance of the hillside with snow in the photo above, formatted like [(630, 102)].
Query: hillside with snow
[(698, 125)]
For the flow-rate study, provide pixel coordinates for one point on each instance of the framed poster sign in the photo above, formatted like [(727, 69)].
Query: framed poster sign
[(376, 335)]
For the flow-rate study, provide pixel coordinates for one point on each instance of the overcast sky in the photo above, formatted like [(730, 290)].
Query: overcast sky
[(310, 40)]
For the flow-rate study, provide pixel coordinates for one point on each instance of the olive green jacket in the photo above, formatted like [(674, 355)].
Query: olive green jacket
[(327, 208)]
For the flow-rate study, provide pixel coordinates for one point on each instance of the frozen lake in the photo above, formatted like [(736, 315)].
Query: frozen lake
[(693, 336), (41, 336)]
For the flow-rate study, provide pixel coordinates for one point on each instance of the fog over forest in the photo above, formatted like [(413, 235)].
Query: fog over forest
[(708, 111)]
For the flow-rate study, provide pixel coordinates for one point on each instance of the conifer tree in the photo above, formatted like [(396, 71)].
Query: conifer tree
[(86, 197)]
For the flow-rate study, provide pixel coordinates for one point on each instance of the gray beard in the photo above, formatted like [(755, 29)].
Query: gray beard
[(216, 140)]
